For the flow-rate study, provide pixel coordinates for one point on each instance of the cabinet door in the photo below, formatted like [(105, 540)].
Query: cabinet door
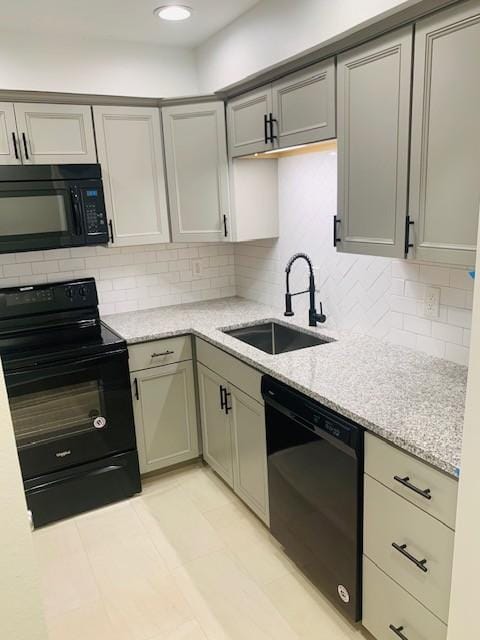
[(9, 144), (373, 132), (247, 127), (445, 156), (130, 151), (197, 171), (55, 133), (304, 105), (165, 415), (216, 427), (250, 466)]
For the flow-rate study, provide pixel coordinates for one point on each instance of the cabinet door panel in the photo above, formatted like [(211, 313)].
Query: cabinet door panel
[(165, 416), (56, 133), (216, 427), (373, 130), (250, 470), (197, 170), (304, 105), (445, 185), (130, 151), (246, 130), (8, 129)]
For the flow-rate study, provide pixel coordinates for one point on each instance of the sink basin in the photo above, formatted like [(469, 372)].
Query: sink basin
[(275, 338)]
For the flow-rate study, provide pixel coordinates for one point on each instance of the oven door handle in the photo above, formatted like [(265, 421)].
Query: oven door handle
[(59, 365)]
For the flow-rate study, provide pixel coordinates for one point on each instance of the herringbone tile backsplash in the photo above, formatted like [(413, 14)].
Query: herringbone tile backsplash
[(377, 296)]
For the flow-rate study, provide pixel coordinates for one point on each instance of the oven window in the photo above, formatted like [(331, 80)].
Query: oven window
[(51, 413), (28, 215)]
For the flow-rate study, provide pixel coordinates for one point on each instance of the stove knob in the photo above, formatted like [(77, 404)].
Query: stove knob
[(83, 292), (69, 292)]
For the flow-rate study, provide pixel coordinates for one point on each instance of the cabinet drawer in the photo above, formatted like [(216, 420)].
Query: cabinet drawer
[(385, 604), (385, 463), (388, 520), (239, 374), (159, 352)]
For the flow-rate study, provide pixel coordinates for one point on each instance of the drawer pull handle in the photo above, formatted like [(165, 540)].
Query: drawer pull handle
[(163, 353), (425, 493), (398, 632), (402, 548)]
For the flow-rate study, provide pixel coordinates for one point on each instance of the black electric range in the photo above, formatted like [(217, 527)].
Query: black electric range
[(68, 384)]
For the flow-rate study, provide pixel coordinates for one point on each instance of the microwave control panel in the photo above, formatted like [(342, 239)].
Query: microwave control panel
[(94, 208)]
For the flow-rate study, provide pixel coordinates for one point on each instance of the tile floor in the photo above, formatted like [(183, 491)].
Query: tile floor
[(186, 560)]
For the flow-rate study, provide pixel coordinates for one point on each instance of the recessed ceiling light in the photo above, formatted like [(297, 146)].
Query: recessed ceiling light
[(173, 12)]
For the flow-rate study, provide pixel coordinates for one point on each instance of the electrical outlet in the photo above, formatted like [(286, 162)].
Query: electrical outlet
[(432, 303), (197, 268)]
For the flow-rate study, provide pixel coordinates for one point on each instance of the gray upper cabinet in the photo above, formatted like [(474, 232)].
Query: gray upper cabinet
[(9, 145), (445, 155), (129, 142), (197, 171), (298, 109), (248, 130), (373, 98), (304, 105), (55, 133)]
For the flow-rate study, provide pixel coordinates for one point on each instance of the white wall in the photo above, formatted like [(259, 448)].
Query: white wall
[(463, 619), (274, 30), (51, 63), (21, 615), (376, 296), (130, 278)]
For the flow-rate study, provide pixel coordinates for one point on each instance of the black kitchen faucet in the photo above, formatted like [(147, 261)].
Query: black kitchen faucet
[(313, 316)]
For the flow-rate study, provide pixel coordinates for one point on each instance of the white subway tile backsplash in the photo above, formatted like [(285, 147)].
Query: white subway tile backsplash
[(378, 296), (128, 278)]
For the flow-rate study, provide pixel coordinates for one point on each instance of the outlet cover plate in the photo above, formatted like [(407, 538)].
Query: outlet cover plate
[(432, 302)]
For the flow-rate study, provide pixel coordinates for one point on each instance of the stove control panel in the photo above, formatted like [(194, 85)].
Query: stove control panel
[(44, 298)]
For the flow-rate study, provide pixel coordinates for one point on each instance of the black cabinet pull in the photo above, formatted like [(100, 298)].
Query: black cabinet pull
[(110, 226), (265, 128), (227, 408), (168, 352), (135, 386), (398, 632), (15, 148), (225, 229), (335, 223), (402, 548), (425, 493), (271, 120), (222, 397), (408, 244), (24, 138)]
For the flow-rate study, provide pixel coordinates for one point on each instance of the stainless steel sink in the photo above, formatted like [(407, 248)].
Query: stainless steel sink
[(274, 338)]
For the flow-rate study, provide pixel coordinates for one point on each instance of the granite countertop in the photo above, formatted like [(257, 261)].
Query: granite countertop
[(413, 400)]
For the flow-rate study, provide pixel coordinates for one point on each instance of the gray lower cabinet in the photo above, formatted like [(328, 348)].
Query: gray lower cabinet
[(445, 155), (373, 109), (165, 415), (216, 428), (298, 109), (250, 451), (233, 425)]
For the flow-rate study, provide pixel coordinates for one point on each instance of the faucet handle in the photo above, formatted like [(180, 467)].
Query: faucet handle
[(288, 305)]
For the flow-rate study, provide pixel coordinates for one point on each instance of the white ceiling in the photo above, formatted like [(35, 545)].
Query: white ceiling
[(131, 20)]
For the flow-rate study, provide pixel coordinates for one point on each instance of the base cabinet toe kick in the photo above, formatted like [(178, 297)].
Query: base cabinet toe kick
[(192, 398)]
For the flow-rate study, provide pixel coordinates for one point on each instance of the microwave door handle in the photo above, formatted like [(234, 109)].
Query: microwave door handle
[(76, 212)]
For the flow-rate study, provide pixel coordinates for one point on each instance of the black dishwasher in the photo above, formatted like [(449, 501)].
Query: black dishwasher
[(315, 468)]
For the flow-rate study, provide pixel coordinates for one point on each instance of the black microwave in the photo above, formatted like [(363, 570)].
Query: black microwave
[(51, 206)]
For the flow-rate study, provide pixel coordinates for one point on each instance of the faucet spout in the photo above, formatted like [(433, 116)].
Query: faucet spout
[(313, 316)]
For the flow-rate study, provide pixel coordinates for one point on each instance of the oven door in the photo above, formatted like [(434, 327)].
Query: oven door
[(71, 412), (44, 214)]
